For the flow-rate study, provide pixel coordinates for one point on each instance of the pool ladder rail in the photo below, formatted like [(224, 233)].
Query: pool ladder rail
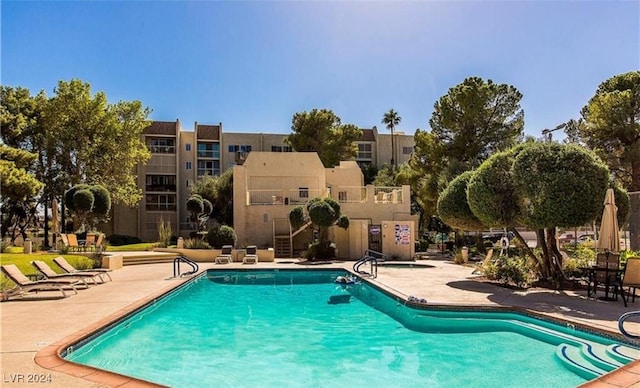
[(184, 259), (621, 322), (372, 257)]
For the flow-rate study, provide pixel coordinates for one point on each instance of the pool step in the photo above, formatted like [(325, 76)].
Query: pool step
[(623, 353), (574, 360), (598, 355)]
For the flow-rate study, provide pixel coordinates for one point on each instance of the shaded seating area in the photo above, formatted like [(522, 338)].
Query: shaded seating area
[(49, 273), (225, 255), (252, 255), (25, 285), (70, 269)]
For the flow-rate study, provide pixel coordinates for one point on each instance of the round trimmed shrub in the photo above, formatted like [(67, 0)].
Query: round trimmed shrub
[(68, 195), (83, 200), (102, 200), (221, 235)]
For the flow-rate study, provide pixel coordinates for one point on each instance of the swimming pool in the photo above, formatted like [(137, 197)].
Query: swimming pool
[(298, 328)]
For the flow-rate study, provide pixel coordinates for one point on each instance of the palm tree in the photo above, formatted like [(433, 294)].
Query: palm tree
[(391, 119)]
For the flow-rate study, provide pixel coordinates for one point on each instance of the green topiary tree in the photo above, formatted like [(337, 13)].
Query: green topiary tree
[(196, 207), (83, 203), (558, 185), (221, 235), (540, 186), (92, 205), (453, 207), (323, 214)]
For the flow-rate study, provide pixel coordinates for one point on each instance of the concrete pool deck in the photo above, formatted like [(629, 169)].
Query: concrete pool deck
[(34, 327)]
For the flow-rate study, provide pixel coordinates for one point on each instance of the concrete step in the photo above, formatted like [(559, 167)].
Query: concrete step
[(148, 259)]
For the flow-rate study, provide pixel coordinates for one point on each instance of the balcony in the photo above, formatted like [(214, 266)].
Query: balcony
[(388, 195), (283, 196)]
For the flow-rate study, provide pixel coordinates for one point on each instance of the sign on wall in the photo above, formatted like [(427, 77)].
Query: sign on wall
[(402, 234)]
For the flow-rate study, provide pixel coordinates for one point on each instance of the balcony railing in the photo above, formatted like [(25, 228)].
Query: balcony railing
[(283, 197), (388, 195), (349, 194)]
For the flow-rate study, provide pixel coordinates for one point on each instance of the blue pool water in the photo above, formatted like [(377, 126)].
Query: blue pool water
[(289, 328)]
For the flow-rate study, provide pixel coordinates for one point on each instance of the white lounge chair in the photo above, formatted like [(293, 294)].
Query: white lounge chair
[(252, 255), (225, 255)]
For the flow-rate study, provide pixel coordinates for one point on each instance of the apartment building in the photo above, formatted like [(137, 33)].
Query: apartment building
[(181, 157)]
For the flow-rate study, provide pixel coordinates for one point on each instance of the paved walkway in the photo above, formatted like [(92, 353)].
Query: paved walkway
[(35, 326)]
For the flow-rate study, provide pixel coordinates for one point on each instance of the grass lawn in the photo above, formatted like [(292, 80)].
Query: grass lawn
[(23, 262), (132, 247)]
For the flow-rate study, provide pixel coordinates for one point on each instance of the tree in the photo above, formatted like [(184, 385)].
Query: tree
[(540, 186), (219, 191), (453, 207), (19, 188), (322, 131), (472, 121), (79, 138), (477, 118), (88, 203), (200, 210), (612, 118), (391, 119), (323, 214)]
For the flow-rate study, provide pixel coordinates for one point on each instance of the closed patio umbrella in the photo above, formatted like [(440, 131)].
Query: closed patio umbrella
[(609, 238)]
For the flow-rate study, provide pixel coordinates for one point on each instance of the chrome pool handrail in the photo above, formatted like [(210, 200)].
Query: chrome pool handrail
[(621, 321)]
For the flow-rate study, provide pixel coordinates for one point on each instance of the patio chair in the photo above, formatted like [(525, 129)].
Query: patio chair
[(90, 241), (98, 246), (252, 255), (630, 279), (64, 239), (68, 268), (605, 272), (25, 285), (49, 273), (225, 255), (73, 242)]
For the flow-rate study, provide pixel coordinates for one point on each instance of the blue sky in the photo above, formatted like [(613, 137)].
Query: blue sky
[(252, 64)]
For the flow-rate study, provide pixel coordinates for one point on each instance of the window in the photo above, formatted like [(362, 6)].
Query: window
[(407, 150), (281, 149), (160, 183), (161, 202), (209, 150), (342, 196), (208, 167), (161, 145), (236, 148), (364, 151), (303, 192), (188, 166), (188, 147)]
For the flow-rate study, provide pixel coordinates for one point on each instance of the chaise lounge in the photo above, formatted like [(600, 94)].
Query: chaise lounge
[(49, 273), (225, 255), (252, 255), (25, 285), (68, 268)]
